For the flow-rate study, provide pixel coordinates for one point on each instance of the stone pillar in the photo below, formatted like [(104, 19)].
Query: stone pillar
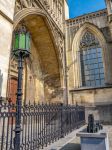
[(109, 6), (6, 28), (66, 8)]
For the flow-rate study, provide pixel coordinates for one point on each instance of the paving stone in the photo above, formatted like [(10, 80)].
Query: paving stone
[(75, 143), (71, 142)]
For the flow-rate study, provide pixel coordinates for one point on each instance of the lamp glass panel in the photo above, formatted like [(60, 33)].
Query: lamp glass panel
[(16, 41), (27, 41), (22, 41)]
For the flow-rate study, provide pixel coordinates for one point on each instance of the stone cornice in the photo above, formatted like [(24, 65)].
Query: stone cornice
[(90, 88), (86, 17), (6, 17)]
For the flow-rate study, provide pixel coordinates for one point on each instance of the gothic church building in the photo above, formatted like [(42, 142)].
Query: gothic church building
[(70, 61)]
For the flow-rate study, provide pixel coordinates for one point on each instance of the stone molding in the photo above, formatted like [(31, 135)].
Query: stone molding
[(6, 17), (86, 18)]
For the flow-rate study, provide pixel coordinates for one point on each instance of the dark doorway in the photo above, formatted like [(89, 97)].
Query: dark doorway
[(12, 89)]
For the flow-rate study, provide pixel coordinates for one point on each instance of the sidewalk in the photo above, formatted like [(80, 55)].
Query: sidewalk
[(63, 143), (73, 145), (71, 142)]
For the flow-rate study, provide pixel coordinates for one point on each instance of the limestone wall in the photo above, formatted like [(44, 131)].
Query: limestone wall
[(90, 97), (7, 8), (96, 101), (5, 46), (102, 113), (34, 88), (6, 28)]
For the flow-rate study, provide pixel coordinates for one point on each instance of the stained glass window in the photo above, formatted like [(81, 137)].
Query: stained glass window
[(92, 69)]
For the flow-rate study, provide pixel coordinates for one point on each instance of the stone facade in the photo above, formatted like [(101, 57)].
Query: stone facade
[(44, 72), (6, 28), (97, 100), (53, 72)]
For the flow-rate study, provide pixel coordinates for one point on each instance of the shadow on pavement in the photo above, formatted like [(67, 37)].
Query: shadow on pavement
[(71, 146)]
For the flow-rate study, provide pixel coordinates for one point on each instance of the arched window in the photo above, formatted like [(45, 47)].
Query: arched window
[(92, 69)]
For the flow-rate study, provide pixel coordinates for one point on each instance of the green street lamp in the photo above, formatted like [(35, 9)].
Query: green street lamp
[(21, 42), (21, 50)]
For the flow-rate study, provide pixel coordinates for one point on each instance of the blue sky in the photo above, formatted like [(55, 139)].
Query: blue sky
[(80, 7)]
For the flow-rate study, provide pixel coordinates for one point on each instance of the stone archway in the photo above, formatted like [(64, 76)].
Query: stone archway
[(43, 66), (75, 47)]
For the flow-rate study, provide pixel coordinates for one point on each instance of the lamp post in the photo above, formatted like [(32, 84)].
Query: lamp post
[(21, 50)]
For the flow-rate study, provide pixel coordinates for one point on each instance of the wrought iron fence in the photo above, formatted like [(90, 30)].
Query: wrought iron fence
[(42, 124)]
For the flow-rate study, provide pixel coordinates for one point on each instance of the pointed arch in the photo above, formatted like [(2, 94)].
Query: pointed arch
[(45, 48), (88, 27), (94, 30), (48, 22), (39, 12)]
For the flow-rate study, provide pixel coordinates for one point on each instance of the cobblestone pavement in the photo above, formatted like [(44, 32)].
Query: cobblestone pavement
[(75, 143)]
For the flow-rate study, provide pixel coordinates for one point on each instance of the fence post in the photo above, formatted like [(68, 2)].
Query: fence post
[(77, 112), (61, 110), (84, 115)]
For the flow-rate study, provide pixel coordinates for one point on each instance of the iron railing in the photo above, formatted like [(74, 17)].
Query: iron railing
[(42, 124)]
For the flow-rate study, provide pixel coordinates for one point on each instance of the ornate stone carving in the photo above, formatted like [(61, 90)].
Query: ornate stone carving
[(24, 3), (45, 5), (20, 4)]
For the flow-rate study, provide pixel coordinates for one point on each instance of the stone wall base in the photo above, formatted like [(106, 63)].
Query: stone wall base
[(100, 112)]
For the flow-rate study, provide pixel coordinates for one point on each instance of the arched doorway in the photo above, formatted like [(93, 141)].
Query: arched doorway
[(42, 77)]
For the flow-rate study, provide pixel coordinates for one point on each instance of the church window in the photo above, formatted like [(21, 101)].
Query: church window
[(91, 60)]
